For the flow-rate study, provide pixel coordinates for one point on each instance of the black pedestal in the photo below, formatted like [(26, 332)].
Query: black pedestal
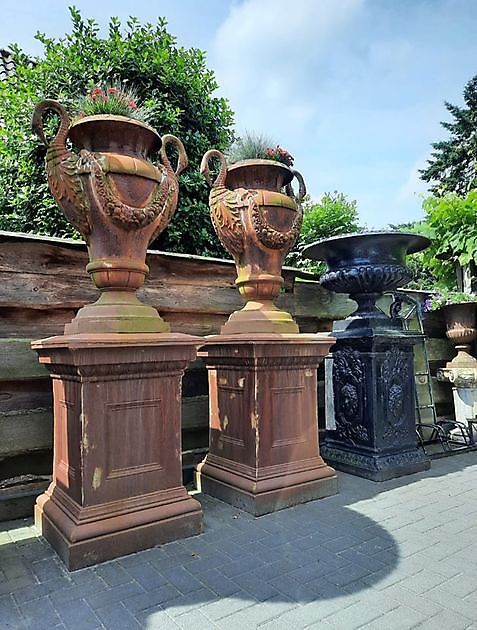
[(374, 403)]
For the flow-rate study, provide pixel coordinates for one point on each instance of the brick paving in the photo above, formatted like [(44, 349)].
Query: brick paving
[(398, 554)]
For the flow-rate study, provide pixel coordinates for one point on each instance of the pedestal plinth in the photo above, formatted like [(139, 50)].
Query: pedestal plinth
[(117, 478), (264, 453), (464, 391), (374, 433)]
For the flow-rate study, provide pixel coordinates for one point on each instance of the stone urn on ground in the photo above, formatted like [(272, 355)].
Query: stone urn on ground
[(263, 450), (461, 372), (371, 432), (117, 477)]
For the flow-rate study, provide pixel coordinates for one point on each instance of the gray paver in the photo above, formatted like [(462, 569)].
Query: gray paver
[(400, 554), (116, 616), (78, 615)]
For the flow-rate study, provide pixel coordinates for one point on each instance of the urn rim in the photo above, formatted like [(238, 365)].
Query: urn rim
[(320, 250), (81, 123), (241, 164)]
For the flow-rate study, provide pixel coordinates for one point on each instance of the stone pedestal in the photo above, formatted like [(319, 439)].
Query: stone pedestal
[(464, 391), (264, 453), (373, 434), (117, 479)]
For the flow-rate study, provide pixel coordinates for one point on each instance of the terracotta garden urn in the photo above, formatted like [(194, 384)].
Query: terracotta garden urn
[(101, 176), (461, 330), (257, 218)]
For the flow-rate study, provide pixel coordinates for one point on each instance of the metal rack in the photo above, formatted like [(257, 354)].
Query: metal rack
[(449, 434)]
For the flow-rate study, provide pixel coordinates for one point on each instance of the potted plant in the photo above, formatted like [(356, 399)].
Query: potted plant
[(257, 217), (459, 311), (114, 196)]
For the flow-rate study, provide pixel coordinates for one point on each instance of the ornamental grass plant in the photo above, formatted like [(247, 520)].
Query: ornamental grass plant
[(113, 100), (252, 146)]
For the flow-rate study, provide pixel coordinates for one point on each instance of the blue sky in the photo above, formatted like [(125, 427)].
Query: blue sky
[(354, 89)]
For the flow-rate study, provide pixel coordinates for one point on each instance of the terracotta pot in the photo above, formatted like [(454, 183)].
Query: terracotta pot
[(462, 331), (119, 201), (257, 218)]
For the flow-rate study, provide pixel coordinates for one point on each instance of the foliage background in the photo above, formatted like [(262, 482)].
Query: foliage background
[(174, 82), (334, 214)]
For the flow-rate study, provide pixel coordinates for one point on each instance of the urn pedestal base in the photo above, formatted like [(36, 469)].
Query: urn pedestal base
[(264, 454), (464, 392), (372, 430), (117, 478), (117, 312)]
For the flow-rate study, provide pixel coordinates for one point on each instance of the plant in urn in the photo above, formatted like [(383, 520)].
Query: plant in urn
[(115, 197), (257, 218)]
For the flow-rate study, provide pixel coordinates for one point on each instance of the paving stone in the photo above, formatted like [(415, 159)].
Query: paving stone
[(221, 585), (348, 574), (9, 587), (423, 581), (116, 616), (256, 615), (79, 616), (294, 590), (447, 619), (354, 616), (48, 569), (40, 614), (195, 620), (116, 594), (34, 591), (189, 602), (401, 618), (155, 597), (198, 565), (62, 596), (156, 619), (9, 613), (259, 589), (113, 574), (462, 585), (227, 606), (248, 563), (184, 581), (421, 603), (147, 576)]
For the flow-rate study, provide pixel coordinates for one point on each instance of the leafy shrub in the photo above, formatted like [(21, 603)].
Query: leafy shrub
[(334, 214), (451, 225), (444, 297), (172, 82)]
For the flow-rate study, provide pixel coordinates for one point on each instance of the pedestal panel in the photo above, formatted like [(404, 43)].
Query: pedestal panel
[(264, 453), (117, 479), (374, 407)]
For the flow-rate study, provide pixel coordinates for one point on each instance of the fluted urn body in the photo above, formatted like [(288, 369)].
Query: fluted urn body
[(257, 218), (119, 201), (365, 266)]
